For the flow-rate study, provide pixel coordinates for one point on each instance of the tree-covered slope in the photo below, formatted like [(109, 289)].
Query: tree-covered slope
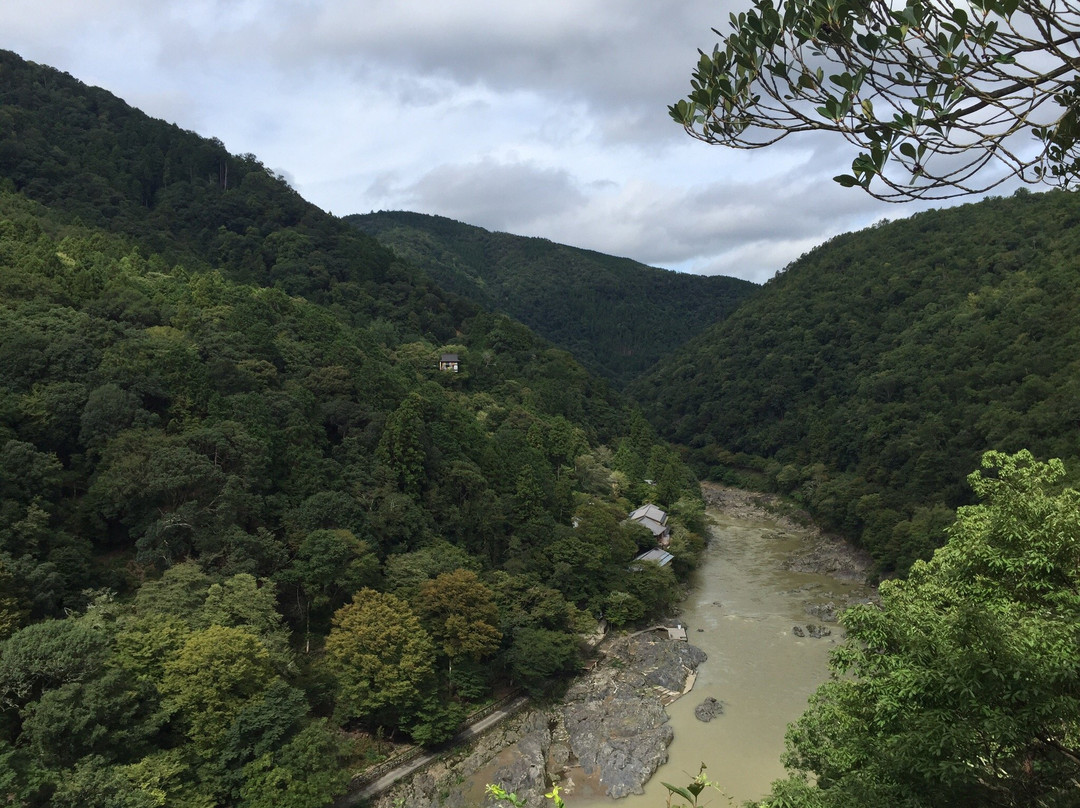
[(241, 508), (618, 317), (93, 158), (961, 686), (869, 376)]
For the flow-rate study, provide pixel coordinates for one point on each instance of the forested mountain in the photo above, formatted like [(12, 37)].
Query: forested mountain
[(869, 376), (248, 528), (241, 508), (617, 317), (84, 152)]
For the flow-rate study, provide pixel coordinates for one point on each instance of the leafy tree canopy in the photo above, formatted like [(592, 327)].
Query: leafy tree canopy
[(306, 771), (942, 98), (962, 688), (47, 655), (461, 614), (539, 657), (211, 678), (382, 657)]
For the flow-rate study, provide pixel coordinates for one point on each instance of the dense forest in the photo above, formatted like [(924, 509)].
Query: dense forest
[(617, 317), (868, 377), (249, 531), (251, 536)]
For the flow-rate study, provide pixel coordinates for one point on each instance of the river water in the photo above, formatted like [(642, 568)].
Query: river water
[(741, 611)]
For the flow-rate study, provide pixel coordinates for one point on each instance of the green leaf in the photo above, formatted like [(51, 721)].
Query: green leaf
[(842, 80), (846, 180), (682, 792)]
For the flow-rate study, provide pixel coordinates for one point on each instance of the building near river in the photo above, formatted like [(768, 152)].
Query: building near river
[(661, 557), (655, 520)]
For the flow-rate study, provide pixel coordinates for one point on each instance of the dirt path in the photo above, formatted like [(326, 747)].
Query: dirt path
[(381, 784)]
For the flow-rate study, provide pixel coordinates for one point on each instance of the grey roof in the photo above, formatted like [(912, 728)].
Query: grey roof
[(651, 517), (649, 511), (656, 528), (661, 557)]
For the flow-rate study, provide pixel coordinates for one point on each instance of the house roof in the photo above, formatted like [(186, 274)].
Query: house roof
[(656, 528), (661, 557), (448, 357), (651, 517), (649, 511)]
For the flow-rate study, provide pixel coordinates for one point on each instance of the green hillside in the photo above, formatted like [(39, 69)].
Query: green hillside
[(252, 538), (617, 317), (242, 510), (88, 155), (868, 377)]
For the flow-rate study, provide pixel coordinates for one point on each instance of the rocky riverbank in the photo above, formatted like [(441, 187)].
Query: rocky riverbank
[(611, 731), (609, 734), (822, 553)]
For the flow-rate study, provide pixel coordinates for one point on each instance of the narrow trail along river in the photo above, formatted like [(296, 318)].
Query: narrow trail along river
[(742, 608)]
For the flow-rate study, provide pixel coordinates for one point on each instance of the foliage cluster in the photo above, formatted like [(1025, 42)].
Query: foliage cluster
[(616, 316), (946, 99), (962, 688), (869, 376)]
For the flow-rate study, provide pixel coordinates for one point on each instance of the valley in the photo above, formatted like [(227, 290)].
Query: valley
[(742, 608), (282, 493)]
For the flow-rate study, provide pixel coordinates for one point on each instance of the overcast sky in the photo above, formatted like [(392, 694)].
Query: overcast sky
[(537, 117)]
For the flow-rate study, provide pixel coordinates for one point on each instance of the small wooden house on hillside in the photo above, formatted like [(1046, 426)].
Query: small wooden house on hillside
[(655, 520), (449, 361)]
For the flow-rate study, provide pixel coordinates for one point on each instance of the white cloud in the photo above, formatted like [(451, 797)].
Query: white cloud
[(496, 195), (540, 117)]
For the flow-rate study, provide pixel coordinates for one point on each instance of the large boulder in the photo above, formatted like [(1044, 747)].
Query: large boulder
[(616, 727), (621, 738), (709, 709), (526, 774)]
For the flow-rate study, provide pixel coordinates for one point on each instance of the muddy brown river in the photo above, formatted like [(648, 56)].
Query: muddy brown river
[(741, 611)]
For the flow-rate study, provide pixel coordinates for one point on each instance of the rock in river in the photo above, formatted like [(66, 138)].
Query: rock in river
[(616, 724), (708, 709)]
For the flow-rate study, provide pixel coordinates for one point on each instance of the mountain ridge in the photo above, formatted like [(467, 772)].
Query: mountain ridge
[(868, 377), (617, 315), (234, 480)]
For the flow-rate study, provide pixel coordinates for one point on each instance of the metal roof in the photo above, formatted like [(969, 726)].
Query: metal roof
[(661, 557)]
